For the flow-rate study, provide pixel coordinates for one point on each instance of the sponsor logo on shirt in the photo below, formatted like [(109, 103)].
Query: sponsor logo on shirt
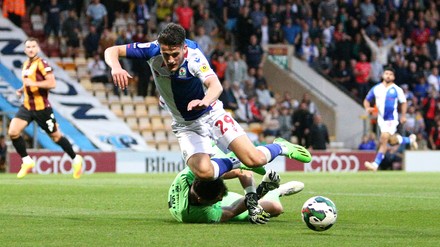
[(204, 68)]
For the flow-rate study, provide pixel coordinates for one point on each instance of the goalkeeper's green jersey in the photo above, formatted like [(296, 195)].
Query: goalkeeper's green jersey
[(180, 207)]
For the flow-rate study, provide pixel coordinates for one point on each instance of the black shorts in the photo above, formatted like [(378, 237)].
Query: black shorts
[(44, 118)]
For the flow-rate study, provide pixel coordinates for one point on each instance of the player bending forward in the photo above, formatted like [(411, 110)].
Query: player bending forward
[(190, 90), (387, 95)]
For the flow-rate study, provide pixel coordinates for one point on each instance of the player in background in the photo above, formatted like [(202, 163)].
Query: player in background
[(387, 95), (191, 200), (38, 79), (190, 90)]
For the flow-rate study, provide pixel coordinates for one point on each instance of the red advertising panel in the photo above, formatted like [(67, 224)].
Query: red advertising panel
[(333, 162), (61, 163)]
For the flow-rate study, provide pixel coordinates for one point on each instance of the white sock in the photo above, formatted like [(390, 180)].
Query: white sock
[(27, 159)]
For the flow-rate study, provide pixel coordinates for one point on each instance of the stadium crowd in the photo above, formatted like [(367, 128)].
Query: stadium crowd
[(347, 41)]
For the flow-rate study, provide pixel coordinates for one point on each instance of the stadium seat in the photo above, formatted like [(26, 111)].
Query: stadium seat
[(144, 124), (174, 146), (116, 109), (98, 86), (126, 99), (162, 147), (132, 122), (148, 136), (140, 111), (167, 121), (153, 111), (160, 136), (151, 100), (128, 109), (157, 124), (256, 128)]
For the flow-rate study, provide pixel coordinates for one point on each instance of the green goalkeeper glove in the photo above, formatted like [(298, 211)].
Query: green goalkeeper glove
[(257, 215)]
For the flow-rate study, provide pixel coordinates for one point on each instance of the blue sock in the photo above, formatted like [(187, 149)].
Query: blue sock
[(405, 140), (224, 165), (274, 150), (379, 158)]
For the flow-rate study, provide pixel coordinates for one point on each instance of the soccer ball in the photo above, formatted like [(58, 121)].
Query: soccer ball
[(319, 213)]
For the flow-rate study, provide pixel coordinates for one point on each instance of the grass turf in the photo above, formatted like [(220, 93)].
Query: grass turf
[(374, 209)]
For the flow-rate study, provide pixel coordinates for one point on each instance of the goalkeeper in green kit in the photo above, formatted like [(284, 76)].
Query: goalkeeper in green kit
[(195, 201)]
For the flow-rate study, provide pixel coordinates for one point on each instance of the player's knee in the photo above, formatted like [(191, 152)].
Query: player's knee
[(393, 140), (254, 159), (277, 210), (13, 134), (204, 173)]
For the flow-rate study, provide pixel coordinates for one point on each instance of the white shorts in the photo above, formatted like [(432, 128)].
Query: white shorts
[(216, 125), (387, 126)]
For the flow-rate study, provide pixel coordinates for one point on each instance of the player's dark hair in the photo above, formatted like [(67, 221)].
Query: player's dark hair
[(172, 35), (389, 68), (209, 190)]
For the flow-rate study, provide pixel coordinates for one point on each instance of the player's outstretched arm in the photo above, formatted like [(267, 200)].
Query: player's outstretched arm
[(119, 75)]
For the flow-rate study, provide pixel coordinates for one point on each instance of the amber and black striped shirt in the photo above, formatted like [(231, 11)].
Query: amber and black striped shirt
[(36, 98)]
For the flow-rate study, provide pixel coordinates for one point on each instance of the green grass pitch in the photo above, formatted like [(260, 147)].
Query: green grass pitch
[(374, 209)]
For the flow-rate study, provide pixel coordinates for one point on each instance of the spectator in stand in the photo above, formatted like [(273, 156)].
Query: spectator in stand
[(185, 17), (97, 15), (164, 9), (262, 32), (367, 143), (237, 69), (285, 120), (420, 35), (311, 106), (430, 109), (367, 9), (422, 88), (434, 135), (72, 32), (120, 22), (264, 96), (227, 97), (53, 18), (318, 136), (380, 51), (3, 153), (98, 69), (91, 41), (142, 13), (161, 26), (362, 72), (291, 32), (323, 63), (341, 40), (342, 75), (255, 55), (302, 120), (434, 79), (271, 123), (309, 52), (231, 13), (243, 113), (219, 66), (245, 28), (327, 10), (37, 20), (205, 42), (276, 35), (209, 24), (256, 14), (274, 14), (106, 40), (376, 70)]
